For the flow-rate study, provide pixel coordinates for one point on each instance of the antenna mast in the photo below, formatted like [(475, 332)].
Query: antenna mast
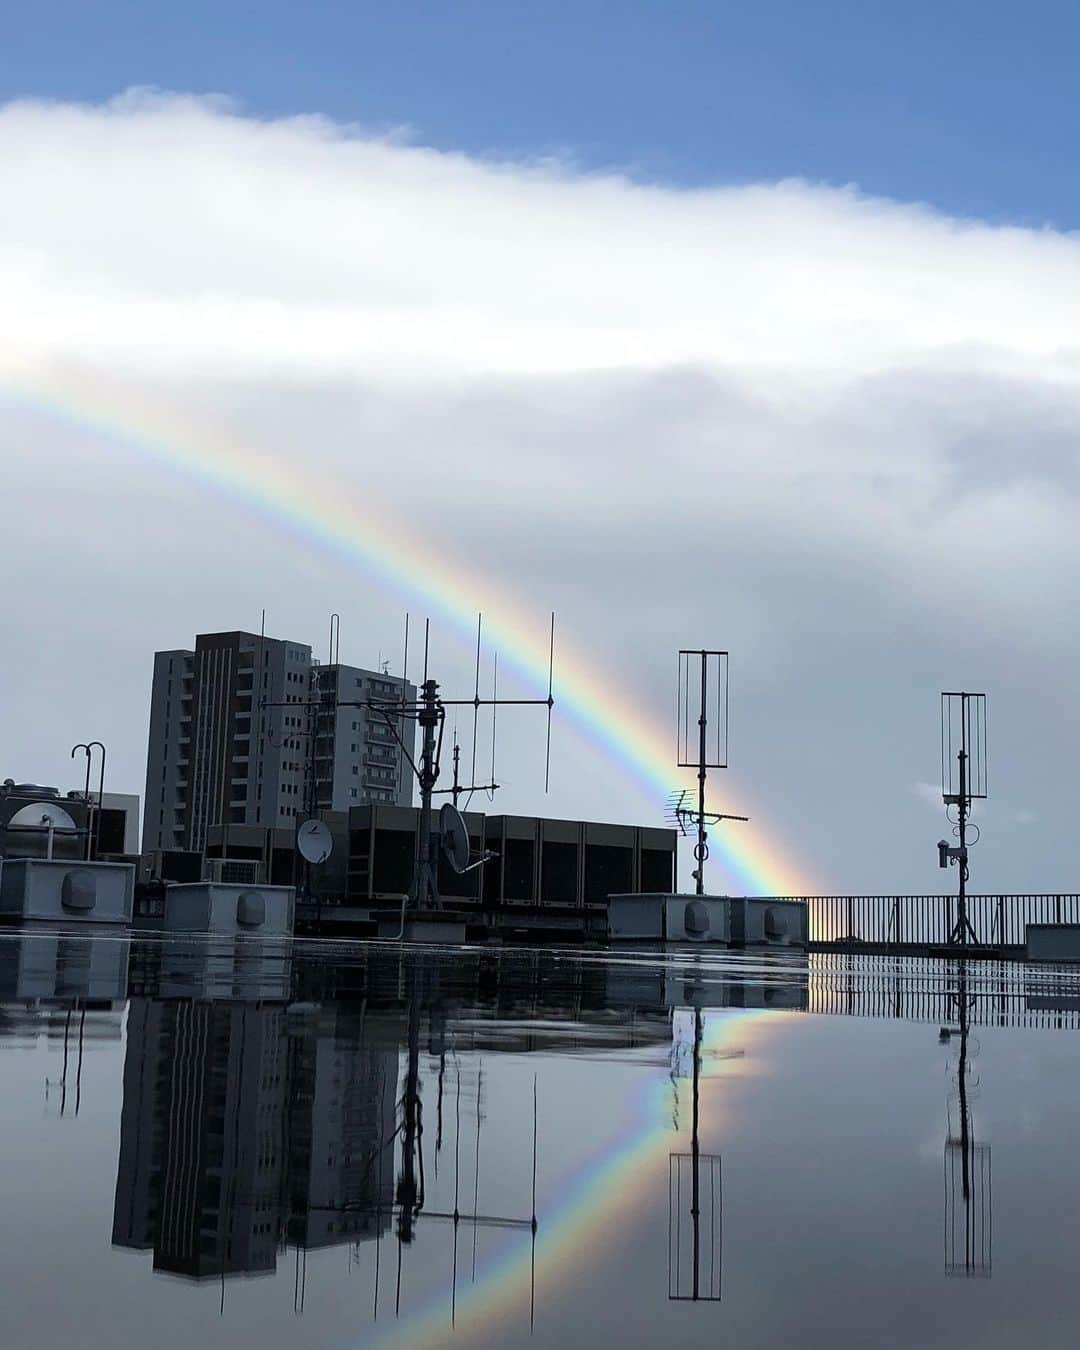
[(703, 688), (428, 710), (963, 781)]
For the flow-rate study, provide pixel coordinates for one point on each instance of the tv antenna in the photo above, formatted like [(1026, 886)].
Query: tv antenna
[(454, 837), (963, 781), (703, 744), (458, 787), (428, 711), (314, 841)]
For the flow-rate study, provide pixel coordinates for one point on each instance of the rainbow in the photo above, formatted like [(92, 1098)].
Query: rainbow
[(634, 742), (605, 1189)]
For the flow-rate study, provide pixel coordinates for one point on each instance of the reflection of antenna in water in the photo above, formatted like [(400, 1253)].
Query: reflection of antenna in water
[(694, 1191), (968, 1192), (411, 1140)]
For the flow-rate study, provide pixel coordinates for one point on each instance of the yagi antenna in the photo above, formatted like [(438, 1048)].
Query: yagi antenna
[(702, 741), (427, 709)]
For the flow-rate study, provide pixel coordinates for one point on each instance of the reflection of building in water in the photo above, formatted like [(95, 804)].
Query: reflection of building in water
[(201, 1147), (343, 1078), (245, 1126), (69, 990)]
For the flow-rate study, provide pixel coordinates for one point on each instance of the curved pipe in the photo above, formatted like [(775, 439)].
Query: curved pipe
[(93, 821)]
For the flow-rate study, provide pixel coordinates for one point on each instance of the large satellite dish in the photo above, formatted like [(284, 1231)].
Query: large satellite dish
[(314, 841), (42, 816), (455, 837)]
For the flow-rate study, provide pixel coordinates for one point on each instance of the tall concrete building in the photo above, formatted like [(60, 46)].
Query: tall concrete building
[(218, 756), (357, 755)]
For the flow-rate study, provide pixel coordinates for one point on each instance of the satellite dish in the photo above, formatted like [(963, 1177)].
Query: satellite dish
[(455, 837), (314, 841), (42, 816)]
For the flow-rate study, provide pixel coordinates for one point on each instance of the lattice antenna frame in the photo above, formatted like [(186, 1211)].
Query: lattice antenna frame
[(702, 699), (963, 729)]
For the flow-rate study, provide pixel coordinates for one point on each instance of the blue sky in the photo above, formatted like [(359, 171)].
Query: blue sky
[(967, 104)]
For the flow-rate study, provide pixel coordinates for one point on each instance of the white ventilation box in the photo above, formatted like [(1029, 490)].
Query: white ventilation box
[(65, 891), (209, 907), (697, 918), (638, 917), (769, 923)]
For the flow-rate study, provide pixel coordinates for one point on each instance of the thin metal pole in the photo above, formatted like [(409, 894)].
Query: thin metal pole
[(699, 852), (961, 905), (426, 888), (695, 1211)]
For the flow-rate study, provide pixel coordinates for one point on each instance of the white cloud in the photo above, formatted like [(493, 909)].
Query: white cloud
[(837, 433)]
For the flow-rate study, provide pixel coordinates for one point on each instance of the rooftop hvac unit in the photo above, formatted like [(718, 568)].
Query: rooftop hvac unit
[(236, 871), (57, 888), (696, 918), (771, 923), (174, 864)]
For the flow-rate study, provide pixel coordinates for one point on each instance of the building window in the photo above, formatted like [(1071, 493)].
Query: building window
[(354, 792)]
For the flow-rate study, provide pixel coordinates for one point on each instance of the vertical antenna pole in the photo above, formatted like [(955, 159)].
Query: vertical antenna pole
[(494, 708), (335, 639), (476, 703), (961, 904), (532, 1260), (550, 705), (427, 636), (429, 717), (404, 691), (699, 851), (695, 1155)]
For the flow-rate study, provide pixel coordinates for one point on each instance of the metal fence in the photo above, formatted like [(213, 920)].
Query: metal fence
[(906, 921), (999, 993)]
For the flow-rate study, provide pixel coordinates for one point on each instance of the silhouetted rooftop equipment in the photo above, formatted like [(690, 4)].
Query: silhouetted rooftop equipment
[(963, 781), (702, 744), (428, 711)]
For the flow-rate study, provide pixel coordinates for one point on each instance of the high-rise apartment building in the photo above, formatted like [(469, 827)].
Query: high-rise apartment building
[(358, 756), (228, 748)]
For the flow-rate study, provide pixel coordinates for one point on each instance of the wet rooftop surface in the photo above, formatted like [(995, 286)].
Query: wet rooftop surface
[(332, 1144)]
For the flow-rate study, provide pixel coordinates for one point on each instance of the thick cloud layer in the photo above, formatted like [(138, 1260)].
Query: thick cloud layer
[(836, 435)]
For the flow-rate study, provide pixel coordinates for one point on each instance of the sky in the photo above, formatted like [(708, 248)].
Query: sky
[(696, 323)]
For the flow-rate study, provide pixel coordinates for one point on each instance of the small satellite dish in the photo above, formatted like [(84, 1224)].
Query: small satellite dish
[(455, 837), (314, 841), (42, 816)]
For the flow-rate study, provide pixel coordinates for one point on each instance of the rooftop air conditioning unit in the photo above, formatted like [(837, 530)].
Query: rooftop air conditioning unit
[(236, 871), (774, 923), (696, 918)]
